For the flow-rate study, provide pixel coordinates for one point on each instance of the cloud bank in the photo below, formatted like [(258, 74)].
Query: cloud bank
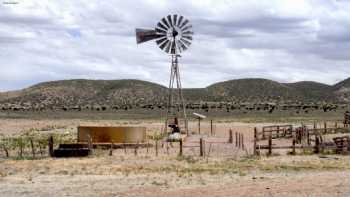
[(287, 41)]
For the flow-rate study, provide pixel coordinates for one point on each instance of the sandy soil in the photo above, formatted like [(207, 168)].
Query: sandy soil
[(143, 176), (126, 174)]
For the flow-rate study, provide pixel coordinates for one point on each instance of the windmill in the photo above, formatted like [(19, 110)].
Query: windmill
[(173, 34)]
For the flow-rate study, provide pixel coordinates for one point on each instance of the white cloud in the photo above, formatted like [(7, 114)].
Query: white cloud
[(282, 40)]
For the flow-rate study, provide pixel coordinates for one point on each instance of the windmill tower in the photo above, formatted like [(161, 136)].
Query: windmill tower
[(173, 34)]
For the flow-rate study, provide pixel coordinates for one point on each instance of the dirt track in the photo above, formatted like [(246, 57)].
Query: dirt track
[(282, 184)]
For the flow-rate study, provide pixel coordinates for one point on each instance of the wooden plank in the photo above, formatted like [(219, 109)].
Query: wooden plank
[(201, 144)]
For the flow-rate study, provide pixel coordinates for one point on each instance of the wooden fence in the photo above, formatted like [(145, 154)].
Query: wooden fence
[(302, 137)]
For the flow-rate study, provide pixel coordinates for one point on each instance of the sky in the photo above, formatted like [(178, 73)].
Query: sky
[(282, 40)]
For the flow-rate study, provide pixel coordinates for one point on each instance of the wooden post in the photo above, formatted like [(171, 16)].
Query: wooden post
[(255, 140), (124, 146), (270, 145), (317, 145), (236, 134), (40, 149), (263, 134), (167, 148), (199, 125), (180, 143), (32, 146), (293, 148), (156, 148), (325, 127), (239, 140), (136, 147), (278, 131), (230, 138), (308, 137), (315, 126), (211, 127), (21, 147), (201, 151), (242, 141), (147, 146), (51, 146), (111, 149)]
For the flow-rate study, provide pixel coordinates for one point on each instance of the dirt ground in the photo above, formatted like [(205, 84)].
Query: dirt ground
[(145, 174), (150, 177)]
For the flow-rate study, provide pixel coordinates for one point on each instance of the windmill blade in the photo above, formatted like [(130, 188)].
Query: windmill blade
[(182, 45), (178, 46), (160, 31), (161, 40), (165, 23), (170, 21), (175, 19), (187, 37), (186, 28), (188, 43), (162, 46), (161, 26), (144, 35), (184, 23), (188, 33), (173, 47), (180, 20), (167, 49)]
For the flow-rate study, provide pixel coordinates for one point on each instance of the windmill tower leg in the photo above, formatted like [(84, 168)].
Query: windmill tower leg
[(176, 107)]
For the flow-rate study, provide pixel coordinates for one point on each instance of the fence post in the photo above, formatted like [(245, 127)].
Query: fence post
[(308, 137), (32, 146), (147, 147), (325, 127), (242, 141), (111, 149), (180, 153), (278, 131), (167, 148), (201, 147), (136, 147), (156, 147), (293, 148), (263, 133), (255, 136), (199, 125), (230, 139), (270, 145), (51, 146), (317, 145), (211, 127), (236, 135)]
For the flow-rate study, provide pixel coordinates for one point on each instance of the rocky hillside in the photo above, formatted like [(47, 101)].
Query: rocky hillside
[(139, 93), (342, 90)]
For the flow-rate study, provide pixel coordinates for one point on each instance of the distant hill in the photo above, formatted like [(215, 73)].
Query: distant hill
[(342, 90), (255, 89), (87, 92), (310, 90), (81, 92)]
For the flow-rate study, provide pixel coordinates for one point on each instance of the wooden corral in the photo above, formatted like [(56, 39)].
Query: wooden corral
[(347, 119), (303, 137), (107, 134)]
